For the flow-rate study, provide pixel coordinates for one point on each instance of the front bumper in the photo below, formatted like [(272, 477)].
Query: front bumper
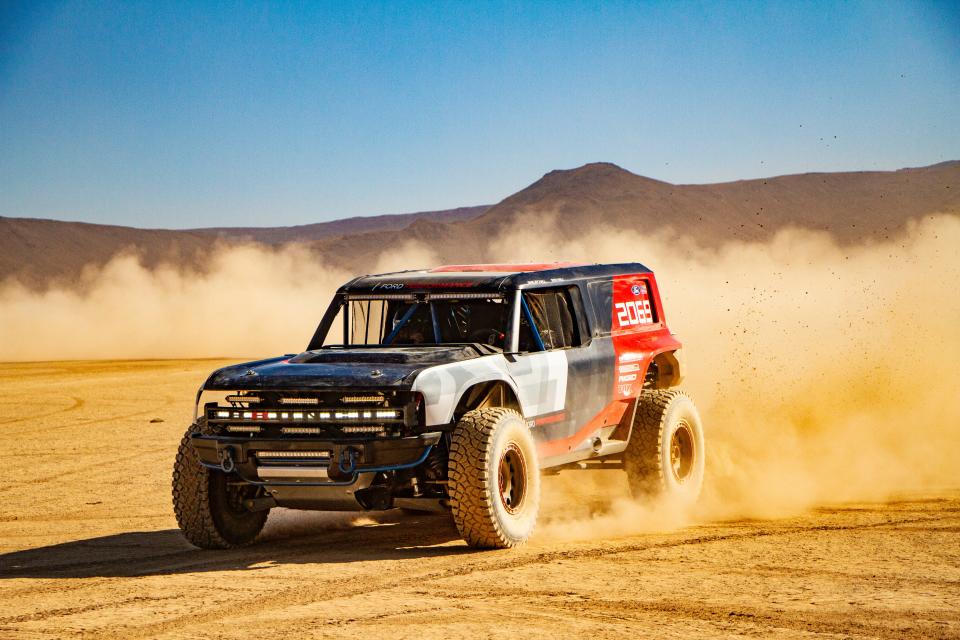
[(309, 462)]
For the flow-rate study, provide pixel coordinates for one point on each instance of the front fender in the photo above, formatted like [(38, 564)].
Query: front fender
[(442, 386)]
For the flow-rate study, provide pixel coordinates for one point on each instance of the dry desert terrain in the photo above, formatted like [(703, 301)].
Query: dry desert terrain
[(89, 547)]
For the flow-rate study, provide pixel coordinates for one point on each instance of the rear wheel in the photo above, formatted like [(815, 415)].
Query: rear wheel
[(494, 478), (665, 456), (209, 504)]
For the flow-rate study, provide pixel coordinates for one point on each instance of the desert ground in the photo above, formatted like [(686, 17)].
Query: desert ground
[(89, 547)]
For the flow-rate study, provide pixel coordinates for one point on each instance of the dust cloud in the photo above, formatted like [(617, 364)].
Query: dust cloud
[(824, 373), (249, 301)]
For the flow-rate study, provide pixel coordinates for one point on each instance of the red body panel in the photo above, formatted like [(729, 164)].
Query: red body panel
[(638, 333)]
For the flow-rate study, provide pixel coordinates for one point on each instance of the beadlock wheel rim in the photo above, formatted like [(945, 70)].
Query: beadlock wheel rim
[(512, 478), (682, 452)]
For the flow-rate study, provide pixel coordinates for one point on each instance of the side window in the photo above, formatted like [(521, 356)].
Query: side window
[(553, 318), (601, 301)]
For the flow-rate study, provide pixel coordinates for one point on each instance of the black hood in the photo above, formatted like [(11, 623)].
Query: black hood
[(339, 368)]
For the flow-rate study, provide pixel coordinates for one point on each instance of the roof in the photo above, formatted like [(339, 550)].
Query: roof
[(503, 268), (487, 276)]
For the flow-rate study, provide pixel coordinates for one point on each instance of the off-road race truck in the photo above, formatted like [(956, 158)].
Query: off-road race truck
[(447, 389)]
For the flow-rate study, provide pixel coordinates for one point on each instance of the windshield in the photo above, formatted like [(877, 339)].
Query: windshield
[(447, 320)]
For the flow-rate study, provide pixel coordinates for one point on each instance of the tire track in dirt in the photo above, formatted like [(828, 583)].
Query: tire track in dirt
[(558, 606), (799, 572), (839, 624), (78, 403), (74, 471), (303, 594), (67, 611), (285, 551), (168, 400), (80, 518), (289, 550)]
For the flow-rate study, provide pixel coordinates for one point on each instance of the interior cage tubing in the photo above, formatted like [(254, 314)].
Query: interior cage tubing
[(436, 323), (533, 326), (403, 320)]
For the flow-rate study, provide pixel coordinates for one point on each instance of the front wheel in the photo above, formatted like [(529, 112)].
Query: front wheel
[(494, 478), (209, 504), (665, 456)]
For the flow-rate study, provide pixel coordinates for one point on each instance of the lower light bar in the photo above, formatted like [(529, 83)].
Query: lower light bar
[(238, 428), (321, 455), (364, 429), (299, 401), (360, 399), (243, 398), (301, 430)]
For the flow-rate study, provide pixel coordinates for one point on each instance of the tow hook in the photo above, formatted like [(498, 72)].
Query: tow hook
[(226, 460), (347, 463)]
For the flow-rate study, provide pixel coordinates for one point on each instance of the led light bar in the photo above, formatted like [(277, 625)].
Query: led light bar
[(347, 414), (463, 296), (361, 399), (381, 296), (244, 399), (299, 401), (301, 430), (364, 429), (238, 428), (317, 455)]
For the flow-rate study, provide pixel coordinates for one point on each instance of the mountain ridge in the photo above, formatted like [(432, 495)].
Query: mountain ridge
[(851, 206)]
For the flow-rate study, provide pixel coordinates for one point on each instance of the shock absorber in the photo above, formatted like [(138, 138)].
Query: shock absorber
[(435, 466)]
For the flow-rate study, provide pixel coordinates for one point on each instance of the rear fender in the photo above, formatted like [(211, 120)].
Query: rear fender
[(669, 368)]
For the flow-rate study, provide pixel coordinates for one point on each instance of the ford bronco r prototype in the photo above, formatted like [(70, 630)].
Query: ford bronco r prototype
[(447, 389)]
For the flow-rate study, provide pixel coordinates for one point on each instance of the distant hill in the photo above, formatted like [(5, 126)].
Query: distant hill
[(38, 251), (852, 206), (346, 226)]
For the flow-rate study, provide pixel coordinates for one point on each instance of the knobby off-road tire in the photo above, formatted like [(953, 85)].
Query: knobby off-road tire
[(209, 516), (665, 456), (494, 478)]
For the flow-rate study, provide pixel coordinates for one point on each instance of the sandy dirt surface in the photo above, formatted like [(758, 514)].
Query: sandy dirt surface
[(89, 547)]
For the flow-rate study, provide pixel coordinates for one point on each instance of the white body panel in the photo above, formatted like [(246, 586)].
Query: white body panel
[(538, 379)]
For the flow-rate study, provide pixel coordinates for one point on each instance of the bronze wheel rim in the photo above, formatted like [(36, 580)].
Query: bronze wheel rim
[(682, 452), (512, 478)]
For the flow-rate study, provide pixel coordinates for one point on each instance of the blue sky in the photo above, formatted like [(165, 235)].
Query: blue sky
[(164, 114)]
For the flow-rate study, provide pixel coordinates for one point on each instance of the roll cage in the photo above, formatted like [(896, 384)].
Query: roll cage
[(522, 328)]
